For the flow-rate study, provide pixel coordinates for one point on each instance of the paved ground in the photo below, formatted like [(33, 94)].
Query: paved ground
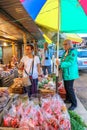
[(81, 88), (80, 110)]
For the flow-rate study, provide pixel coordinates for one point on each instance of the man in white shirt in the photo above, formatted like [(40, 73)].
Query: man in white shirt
[(31, 65)]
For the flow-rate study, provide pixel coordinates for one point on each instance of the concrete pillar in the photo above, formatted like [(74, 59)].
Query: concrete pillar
[(13, 48), (24, 40), (35, 47), (19, 50)]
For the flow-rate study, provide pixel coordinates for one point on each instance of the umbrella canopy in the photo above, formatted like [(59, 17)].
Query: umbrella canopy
[(45, 13), (84, 5), (74, 37), (73, 18)]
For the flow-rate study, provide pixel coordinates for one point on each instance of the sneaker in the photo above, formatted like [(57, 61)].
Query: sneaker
[(72, 107)]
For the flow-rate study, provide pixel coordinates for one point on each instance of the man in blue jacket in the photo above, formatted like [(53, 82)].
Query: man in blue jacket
[(69, 67)]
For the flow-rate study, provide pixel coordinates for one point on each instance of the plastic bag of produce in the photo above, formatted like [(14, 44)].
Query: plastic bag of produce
[(51, 121), (9, 121)]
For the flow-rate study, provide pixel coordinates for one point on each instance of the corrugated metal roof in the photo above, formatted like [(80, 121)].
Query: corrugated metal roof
[(14, 20)]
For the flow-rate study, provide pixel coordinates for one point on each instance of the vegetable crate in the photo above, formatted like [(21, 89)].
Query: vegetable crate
[(46, 92)]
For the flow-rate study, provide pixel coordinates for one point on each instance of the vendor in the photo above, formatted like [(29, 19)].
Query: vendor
[(14, 61)]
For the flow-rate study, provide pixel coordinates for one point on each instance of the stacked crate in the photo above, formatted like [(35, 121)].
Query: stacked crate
[(6, 81)]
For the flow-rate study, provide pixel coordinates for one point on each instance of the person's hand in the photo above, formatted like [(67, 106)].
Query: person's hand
[(40, 77), (20, 65), (57, 62)]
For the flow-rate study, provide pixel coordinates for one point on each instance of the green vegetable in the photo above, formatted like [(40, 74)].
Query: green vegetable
[(76, 121), (40, 85), (75, 125), (46, 82)]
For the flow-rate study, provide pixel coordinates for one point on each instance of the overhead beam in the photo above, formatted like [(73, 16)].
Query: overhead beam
[(15, 22), (6, 39)]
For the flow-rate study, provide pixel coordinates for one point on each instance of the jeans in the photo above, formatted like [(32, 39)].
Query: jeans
[(70, 95), (48, 68)]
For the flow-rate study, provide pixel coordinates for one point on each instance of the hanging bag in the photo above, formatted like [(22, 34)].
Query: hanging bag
[(27, 81)]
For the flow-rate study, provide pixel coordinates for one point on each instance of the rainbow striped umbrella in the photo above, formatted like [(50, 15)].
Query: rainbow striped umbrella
[(58, 15), (43, 12), (84, 5)]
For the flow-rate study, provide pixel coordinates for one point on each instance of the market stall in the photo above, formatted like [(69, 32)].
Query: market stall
[(5, 101), (43, 111), (48, 113), (47, 86), (7, 75)]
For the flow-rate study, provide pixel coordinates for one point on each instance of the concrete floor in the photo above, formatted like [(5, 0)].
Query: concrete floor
[(81, 92), (81, 88)]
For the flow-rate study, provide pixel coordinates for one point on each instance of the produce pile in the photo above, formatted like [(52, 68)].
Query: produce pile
[(4, 98), (17, 86), (51, 114), (6, 73), (46, 83)]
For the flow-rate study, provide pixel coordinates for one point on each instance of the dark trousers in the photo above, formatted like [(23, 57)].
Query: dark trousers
[(70, 95), (48, 68), (33, 88)]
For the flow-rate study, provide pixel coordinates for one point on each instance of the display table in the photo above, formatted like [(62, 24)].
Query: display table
[(39, 112), (27, 114), (6, 77), (7, 80), (6, 128), (46, 92), (6, 100)]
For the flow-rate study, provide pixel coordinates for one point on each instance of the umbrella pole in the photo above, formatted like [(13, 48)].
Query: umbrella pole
[(57, 72)]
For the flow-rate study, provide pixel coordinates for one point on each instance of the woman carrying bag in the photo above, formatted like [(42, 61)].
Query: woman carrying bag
[(31, 65)]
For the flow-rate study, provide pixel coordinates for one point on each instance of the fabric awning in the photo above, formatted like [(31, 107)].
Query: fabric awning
[(73, 37)]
